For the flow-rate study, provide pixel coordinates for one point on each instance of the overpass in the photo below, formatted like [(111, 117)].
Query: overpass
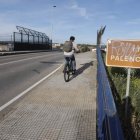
[(82, 109)]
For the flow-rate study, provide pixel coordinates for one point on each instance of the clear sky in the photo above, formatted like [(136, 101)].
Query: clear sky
[(81, 18)]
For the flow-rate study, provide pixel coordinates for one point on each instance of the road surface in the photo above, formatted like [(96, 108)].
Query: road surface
[(19, 72)]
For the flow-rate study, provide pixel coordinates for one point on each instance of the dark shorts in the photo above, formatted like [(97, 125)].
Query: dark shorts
[(72, 57)]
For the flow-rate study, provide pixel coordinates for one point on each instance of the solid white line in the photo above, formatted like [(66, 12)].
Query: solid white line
[(27, 90), (25, 59)]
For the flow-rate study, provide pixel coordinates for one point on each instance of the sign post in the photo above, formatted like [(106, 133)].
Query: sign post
[(127, 91), (124, 53)]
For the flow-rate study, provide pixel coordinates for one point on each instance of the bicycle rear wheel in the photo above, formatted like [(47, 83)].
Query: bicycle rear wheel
[(66, 73)]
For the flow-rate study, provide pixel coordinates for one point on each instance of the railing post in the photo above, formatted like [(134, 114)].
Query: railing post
[(21, 37), (14, 40)]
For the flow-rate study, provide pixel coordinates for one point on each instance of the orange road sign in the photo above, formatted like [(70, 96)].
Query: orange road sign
[(123, 53)]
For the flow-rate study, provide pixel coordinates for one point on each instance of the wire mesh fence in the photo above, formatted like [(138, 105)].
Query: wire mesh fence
[(6, 37), (119, 77), (118, 81), (25, 39), (28, 39)]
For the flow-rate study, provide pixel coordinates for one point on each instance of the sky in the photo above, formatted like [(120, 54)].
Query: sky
[(59, 19)]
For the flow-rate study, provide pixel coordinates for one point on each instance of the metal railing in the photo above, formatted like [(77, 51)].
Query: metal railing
[(108, 123)]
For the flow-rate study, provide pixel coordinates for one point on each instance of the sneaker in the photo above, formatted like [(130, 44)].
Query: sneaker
[(74, 71)]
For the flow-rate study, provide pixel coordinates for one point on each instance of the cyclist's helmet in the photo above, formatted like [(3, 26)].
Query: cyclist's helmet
[(72, 38)]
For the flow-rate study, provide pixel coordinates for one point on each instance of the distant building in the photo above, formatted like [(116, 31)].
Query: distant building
[(6, 47), (56, 45)]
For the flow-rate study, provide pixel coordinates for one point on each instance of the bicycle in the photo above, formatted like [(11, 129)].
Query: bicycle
[(68, 69)]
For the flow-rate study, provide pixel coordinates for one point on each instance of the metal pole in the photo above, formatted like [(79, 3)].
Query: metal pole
[(14, 40), (33, 39), (11, 38), (21, 37), (28, 38), (52, 22), (127, 90)]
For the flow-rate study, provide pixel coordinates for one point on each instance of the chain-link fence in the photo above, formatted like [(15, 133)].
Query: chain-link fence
[(118, 81), (6, 38), (27, 39)]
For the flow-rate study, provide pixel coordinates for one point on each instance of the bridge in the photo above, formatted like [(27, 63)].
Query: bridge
[(81, 109)]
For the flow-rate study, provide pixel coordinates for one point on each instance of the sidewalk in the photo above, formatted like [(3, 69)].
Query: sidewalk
[(56, 110)]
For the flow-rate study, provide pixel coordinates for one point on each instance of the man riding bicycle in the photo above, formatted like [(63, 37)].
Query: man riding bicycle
[(69, 48)]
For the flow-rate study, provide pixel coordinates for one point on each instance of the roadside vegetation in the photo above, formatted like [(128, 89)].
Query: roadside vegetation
[(84, 47), (118, 79)]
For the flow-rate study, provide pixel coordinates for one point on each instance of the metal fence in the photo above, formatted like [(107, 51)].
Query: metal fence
[(27, 39), (130, 114), (108, 123), (5, 38)]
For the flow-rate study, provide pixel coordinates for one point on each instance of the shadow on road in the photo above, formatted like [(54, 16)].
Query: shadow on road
[(45, 62), (82, 69)]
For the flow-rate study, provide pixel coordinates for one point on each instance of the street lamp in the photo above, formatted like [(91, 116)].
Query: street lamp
[(52, 21)]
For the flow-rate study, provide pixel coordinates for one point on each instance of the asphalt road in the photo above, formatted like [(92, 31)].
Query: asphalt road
[(19, 72)]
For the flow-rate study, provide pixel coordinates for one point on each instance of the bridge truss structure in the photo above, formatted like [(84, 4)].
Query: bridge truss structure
[(28, 39)]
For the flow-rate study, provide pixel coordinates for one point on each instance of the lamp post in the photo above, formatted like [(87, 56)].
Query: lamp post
[(52, 22)]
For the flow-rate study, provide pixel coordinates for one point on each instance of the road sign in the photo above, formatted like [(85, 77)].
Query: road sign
[(123, 53)]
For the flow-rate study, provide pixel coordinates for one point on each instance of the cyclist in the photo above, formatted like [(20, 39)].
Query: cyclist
[(70, 53)]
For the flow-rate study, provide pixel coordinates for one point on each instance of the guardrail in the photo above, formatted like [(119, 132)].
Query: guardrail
[(108, 123)]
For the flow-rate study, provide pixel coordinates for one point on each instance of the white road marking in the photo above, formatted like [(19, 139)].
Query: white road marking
[(25, 59), (27, 90)]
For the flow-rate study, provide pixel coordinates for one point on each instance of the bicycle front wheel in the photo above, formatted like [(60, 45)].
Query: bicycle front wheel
[(66, 73)]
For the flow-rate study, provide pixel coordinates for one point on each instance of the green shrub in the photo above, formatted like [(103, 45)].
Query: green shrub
[(135, 73), (84, 49), (135, 94), (120, 84), (119, 71)]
